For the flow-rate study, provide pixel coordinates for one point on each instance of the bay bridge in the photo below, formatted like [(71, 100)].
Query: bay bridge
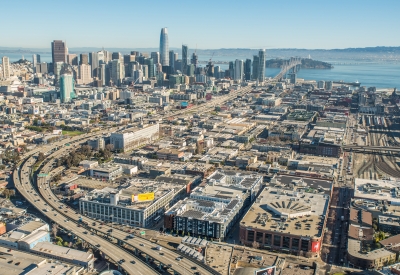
[(292, 65)]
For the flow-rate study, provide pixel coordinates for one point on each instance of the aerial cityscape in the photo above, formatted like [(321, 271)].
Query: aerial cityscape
[(179, 159)]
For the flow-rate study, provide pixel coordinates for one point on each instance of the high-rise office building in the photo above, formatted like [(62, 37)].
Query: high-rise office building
[(35, 59), (238, 70), (261, 65), (232, 70), (247, 70), (117, 71), (150, 67), (116, 55), (5, 64), (84, 59), (58, 69), (194, 60), (59, 51), (185, 50), (128, 58), (41, 68), (85, 74), (256, 62), (72, 59), (172, 61), (66, 87), (217, 71), (156, 57), (164, 48)]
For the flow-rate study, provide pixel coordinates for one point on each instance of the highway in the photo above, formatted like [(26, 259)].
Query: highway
[(48, 204), (23, 184)]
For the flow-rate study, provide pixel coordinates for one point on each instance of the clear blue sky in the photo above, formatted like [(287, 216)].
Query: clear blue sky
[(208, 23)]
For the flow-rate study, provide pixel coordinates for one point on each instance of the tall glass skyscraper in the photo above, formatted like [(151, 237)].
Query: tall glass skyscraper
[(261, 65), (164, 48), (66, 88), (185, 51)]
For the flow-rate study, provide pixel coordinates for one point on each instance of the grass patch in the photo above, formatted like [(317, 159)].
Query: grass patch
[(72, 133)]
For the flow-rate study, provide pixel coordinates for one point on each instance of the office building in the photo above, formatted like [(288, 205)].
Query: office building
[(133, 138), (150, 67), (84, 59), (85, 74), (238, 75), (59, 51), (256, 61), (212, 210), (261, 65), (72, 59), (58, 68), (194, 60), (247, 70), (185, 50), (287, 216), (156, 57), (141, 203), (128, 58), (41, 68), (116, 55), (231, 70), (66, 88), (164, 47), (5, 65), (35, 59), (117, 71), (172, 60)]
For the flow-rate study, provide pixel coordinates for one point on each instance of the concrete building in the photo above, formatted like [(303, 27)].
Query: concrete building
[(287, 217), (85, 74), (72, 59), (133, 138), (138, 203), (117, 71), (5, 67), (261, 65), (211, 212), (84, 59), (106, 171), (185, 51), (31, 264), (59, 51)]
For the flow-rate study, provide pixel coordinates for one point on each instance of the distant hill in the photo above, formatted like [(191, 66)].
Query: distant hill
[(305, 64), (380, 53)]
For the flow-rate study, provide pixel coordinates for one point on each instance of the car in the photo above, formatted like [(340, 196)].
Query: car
[(123, 260), (91, 233), (85, 232), (65, 220), (141, 244), (178, 259), (194, 267), (133, 262), (97, 245), (131, 236), (162, 253)]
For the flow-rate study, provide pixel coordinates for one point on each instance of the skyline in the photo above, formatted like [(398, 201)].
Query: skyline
[(305, 25)]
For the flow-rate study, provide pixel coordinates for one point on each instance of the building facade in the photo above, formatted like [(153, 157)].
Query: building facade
[(164, 47)]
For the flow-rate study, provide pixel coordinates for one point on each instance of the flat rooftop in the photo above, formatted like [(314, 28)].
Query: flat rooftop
[(17, 262), (288, 211), (377, 190), (309, 185), (63, 252), (353, 248)]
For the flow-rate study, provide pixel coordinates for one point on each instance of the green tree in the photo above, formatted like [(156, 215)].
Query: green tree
[(41, 157)]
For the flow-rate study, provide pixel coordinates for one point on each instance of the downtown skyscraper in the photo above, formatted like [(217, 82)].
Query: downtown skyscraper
[(59, 51), (164, 47), (185, 50), (261, 65)]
